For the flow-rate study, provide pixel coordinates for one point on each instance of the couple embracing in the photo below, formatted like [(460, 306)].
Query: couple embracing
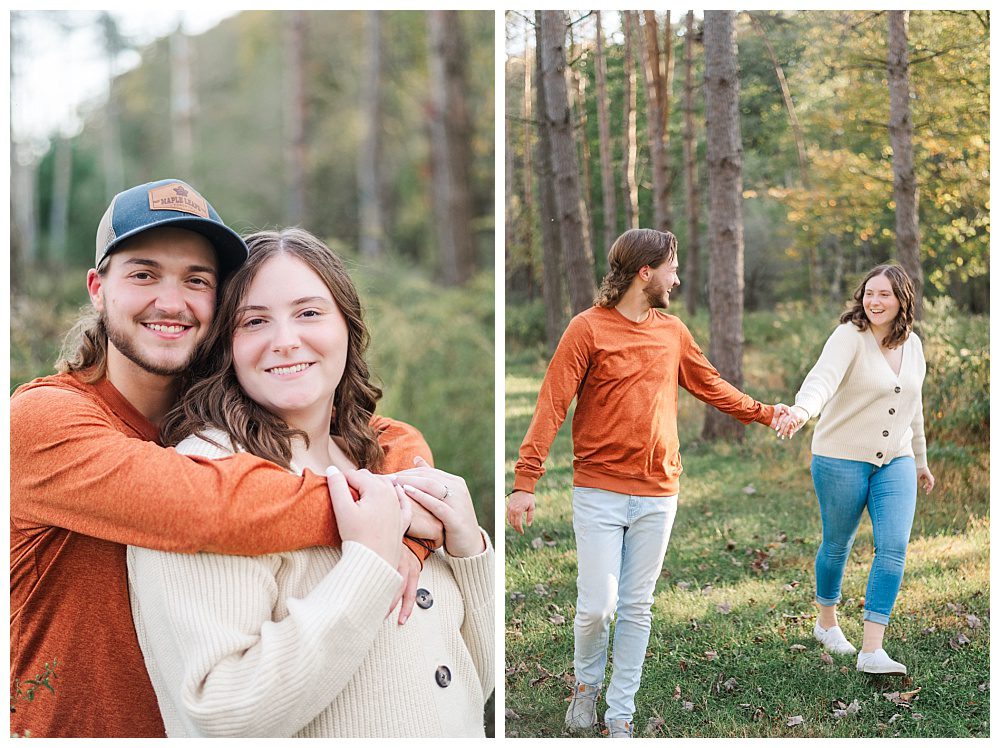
[(623, 360), (244, 580)]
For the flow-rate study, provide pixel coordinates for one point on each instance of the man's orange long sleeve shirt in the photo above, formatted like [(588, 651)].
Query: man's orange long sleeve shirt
[(625, 377), (88, 478)]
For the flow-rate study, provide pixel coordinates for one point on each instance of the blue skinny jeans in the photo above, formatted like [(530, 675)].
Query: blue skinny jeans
[(845, 488)]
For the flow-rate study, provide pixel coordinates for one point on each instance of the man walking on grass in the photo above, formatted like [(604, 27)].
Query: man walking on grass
[(623, 360), (87, 476)]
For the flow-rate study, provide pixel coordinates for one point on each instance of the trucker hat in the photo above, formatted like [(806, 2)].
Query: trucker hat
[(168, 202)]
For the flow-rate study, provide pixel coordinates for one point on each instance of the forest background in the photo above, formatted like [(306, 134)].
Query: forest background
[(366, 128), (815, 207)]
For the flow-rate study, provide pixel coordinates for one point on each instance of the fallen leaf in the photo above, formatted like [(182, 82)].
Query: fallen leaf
[(687, 706), (730, 685), (917, 715), (706, 590), (758, 639), (973, 621), (909, 696), (723, 608), (511, 714), (711, 655), (549, 540), (730, 546), (782, 537), (541, 590), (749, 490), (854, 707), (682, 664), (894, 717), (826, 658), (537, 543), (654, 724), (557, 619), (758, 714), (677, 692), (683, 585), (516, 597), (959, 641), (844, 670), (955, 608), (794, 721), (983, 686), (929, 630), (797, 648), (707, 514)]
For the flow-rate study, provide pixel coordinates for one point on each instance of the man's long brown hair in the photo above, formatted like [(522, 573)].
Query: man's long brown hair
[(630, 252), (217, 400), (902, 287)]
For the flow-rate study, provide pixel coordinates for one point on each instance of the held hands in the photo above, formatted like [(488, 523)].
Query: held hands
[(789, 420), (521, 503), (447, 498), (378, 519)]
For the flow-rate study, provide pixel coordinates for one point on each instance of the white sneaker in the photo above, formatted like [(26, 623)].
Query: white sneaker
[(833, 640), (619, 728), (582, 712), (879, 662)]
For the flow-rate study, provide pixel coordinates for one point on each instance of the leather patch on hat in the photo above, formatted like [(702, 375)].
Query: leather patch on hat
[(180, 197)]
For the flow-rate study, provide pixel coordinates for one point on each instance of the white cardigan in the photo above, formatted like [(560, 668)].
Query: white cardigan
[(298, 643), (869, 413)]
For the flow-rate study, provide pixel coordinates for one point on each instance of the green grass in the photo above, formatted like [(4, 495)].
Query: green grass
[(738, 581)]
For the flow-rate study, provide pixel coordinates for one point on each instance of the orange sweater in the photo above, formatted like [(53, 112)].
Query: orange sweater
[(625, 376), (87, 478)]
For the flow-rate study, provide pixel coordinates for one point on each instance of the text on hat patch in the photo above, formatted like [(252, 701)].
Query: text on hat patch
[(180, 197)]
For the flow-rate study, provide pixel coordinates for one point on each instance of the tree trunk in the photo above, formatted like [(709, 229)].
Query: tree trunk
[(608, 202), (578, 106), (371, 208), (181, 103), (529, 202), (552, 291), (724, 153), (629, 148), (655, 94), (450, 145), (693, 272), (904, 181), (579, 263), (111, 148), (62, 181)]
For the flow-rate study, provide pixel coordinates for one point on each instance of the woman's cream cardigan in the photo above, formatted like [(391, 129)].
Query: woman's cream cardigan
[(869, 413), (298, 643)]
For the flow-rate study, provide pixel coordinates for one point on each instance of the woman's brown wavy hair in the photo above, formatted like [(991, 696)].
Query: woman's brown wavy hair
[(902, 288), (630, 252), (217, 400)]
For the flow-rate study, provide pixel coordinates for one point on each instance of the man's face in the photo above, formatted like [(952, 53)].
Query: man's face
[(157, 298), (662, 281)]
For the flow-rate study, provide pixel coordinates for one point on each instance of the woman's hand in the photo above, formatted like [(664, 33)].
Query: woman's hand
[(409, 569), (446, 497), (791, 421), (926, 479), (378, 519)]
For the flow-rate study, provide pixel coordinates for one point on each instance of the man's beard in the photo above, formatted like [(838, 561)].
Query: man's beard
[(656, 295), (124, 346)]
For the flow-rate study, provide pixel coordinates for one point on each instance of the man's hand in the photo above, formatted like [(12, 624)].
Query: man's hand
[(409, 568), (791, 420), (426, 526), (521, 503)]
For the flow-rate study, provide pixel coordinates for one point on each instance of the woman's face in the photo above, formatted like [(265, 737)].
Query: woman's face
[(290, 341), (879, 300)]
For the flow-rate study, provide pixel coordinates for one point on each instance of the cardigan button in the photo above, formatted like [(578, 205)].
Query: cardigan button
[(892, 411), (879, 455), (443, 676), (424, 598), (885, 433), (896, 389)]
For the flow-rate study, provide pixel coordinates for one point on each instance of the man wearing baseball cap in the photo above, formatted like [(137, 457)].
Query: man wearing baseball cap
[(88, 477)]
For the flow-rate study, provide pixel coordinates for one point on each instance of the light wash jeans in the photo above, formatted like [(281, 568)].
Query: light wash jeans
[(620, 544), (845, 488)]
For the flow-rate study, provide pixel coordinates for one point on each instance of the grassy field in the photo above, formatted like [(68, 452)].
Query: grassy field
[(731, 652)]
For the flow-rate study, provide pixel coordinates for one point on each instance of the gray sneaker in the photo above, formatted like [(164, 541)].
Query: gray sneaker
[(619, 728), (582, 712)]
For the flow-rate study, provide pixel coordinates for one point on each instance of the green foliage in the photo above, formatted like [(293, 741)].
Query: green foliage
[(432, 348), (525, 325), (731, 652), (25, 690)]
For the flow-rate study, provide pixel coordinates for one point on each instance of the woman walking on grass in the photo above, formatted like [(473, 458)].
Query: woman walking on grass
[(869, 451)]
